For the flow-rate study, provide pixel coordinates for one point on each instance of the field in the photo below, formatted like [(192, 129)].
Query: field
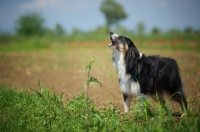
[(60, 68)]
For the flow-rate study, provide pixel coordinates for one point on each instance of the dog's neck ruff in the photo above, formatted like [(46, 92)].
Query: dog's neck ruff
[(128, 85), (118, 62)]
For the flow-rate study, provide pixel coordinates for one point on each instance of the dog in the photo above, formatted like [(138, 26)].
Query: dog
[(141, 75)]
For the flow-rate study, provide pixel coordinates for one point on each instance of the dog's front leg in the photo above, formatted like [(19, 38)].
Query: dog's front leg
[(127, 101)]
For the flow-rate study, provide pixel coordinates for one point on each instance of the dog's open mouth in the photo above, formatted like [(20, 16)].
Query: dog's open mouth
[(113, 43)]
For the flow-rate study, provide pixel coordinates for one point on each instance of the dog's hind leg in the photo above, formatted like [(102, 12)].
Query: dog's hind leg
[(159, 97), (127, 101), (176, 90), (180, 98)]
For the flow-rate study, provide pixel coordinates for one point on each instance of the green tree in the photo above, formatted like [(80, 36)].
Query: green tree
[(188, 30), (140, 28), (155, 31), (30, 24), (174, 32), (113, 12), (77, 31), (49, 32), (59, 30)]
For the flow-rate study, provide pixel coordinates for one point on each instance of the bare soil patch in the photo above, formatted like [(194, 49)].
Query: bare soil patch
[(62, 69)]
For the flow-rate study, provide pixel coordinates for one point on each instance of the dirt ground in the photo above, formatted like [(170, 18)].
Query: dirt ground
[(61, 68)]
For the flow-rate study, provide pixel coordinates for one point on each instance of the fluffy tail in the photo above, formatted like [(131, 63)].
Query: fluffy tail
[(180, 97)]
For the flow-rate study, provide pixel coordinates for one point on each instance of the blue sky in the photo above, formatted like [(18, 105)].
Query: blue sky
[(86, 15)]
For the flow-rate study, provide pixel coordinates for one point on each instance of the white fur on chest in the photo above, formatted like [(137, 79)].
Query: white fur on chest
[(127, 84)]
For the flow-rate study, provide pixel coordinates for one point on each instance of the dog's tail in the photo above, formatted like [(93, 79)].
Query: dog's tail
[(180, 97), (178, 94)]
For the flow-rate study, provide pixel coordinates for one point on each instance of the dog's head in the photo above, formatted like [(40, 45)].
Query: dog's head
[(123, 44)]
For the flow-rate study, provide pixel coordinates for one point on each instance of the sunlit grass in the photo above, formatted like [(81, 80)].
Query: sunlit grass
[(42, 110)]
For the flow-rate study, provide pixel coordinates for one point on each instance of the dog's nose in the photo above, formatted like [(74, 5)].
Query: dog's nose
[(111, 33)]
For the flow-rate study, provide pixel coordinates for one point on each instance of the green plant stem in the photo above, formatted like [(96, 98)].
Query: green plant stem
[(87, 117)]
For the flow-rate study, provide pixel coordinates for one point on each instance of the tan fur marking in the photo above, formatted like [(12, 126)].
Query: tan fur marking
[(126, 48), (122, 48)]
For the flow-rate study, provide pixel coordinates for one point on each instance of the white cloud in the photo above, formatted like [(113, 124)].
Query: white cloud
[(59, 4), (38, 4)]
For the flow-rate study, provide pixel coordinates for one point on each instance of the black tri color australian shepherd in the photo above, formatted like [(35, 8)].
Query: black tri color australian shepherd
[(141, 75)]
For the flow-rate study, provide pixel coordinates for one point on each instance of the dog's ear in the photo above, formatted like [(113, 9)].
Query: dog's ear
[(129, 42), (132, 52), (131, 59)]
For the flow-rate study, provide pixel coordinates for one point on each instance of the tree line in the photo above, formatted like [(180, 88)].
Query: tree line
[(33, 24)]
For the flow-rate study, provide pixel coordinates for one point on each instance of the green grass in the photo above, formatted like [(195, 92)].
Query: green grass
[(36, 41), (42, 110), (189, 42), (32, 44)]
